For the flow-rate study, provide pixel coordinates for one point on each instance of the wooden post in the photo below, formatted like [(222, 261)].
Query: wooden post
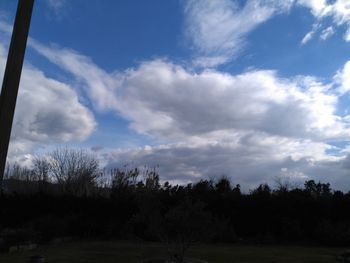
[(12, 77)]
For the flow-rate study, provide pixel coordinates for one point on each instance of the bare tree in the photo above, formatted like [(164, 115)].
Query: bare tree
[(76, 171), (41, 169), (19, 179), (17, 172), (284, 184)]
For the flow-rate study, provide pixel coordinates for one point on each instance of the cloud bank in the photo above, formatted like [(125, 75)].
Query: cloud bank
[(47, 111), (249, 126)]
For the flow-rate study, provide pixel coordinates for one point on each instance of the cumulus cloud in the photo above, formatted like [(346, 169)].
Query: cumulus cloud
[(249, 159), (163, 99), (189, 104), (251, 126), (217, 29), (47, 111)]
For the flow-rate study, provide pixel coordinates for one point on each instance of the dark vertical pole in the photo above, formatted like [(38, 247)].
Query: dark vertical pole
[(12, 77)]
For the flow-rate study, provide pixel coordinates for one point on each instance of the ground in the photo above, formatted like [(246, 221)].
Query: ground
[(109, 251)]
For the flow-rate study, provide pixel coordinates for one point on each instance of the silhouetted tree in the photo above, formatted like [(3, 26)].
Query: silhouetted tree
[(262, 190), (41, 170), (133, 204), (122, 180), (152, 179), (223, 185), (317, 189), (76, 171)]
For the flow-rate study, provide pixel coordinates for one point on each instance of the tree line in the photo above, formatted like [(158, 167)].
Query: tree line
[(67, 194)]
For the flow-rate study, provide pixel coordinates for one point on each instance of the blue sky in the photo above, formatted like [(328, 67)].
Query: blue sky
[(254, 89)]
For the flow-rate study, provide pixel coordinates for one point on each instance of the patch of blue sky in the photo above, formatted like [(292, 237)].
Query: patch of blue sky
[(118, 34), (8, 9), (50, 70), (337, 148), (343, 107), (276, 45), (114, 131)]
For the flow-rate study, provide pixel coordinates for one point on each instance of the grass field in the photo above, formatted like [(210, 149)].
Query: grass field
[(108, 252)]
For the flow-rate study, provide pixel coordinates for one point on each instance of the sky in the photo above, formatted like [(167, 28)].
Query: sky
[(254, 90)]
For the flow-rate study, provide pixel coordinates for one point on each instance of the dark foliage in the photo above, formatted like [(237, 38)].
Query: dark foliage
[(133, 208)]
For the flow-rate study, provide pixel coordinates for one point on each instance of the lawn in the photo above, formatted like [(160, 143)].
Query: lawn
[(108, 252)]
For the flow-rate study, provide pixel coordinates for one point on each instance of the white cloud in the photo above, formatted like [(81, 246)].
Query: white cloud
[(101, 86), (163, 99), (342, 79), (47, 111), (247, 126), (189, 104), (249, 159), (347, 35), (338, 11), (307, 37), (217, 29), (327, 33), (317, 6), (310, 34)]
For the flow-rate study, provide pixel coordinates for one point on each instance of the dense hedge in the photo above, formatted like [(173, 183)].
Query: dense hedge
[(213, 212)]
